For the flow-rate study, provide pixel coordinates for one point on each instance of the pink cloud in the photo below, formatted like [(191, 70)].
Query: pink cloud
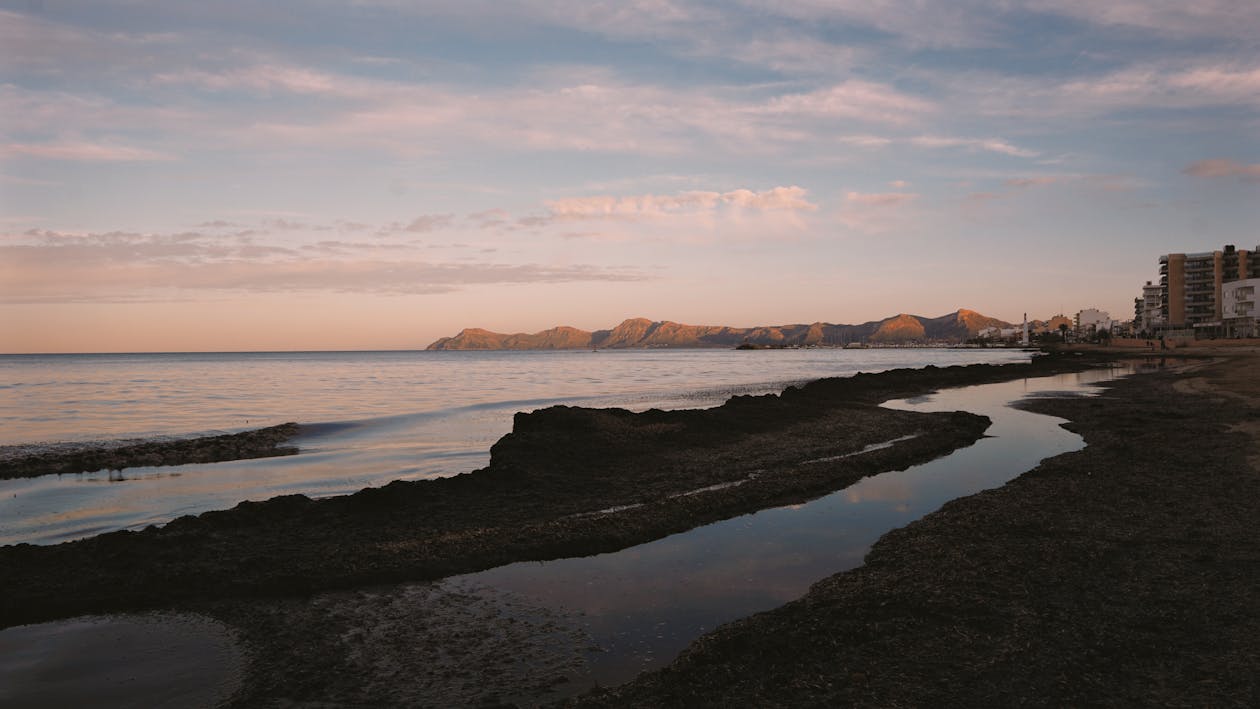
[(862, 100), (1205, 18), (1223, 167), (994, 145), (266, 78), (1023, 182), (875, 212), (879, 199), (650, 206), (83, 151), (53, 267)]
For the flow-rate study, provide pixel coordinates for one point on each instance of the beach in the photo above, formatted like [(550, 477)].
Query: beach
[(1118, 574), (1124, 574)]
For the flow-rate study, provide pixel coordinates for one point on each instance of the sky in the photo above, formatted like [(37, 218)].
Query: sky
[(376, 174)]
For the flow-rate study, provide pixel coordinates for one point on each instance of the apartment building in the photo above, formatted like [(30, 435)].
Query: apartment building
[(1147, 316), (1091, 320), (1190, 284), (1240, 309)]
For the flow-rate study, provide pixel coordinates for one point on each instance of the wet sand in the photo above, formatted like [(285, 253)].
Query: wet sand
[(1127, 573), (152, 660)]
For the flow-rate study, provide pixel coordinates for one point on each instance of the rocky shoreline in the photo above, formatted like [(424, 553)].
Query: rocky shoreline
[(89, 458), (541, 497), (1125, 574)]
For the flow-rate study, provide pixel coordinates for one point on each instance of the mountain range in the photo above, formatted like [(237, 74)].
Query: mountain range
[(641, 332)]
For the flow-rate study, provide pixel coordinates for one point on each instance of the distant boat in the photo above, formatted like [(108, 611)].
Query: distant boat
[(856, 346)]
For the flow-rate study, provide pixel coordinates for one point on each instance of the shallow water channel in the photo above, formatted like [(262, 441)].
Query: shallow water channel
[(636, 609), (641, 606)]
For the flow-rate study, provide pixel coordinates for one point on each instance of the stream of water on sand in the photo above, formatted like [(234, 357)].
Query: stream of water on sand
[(641, 606)]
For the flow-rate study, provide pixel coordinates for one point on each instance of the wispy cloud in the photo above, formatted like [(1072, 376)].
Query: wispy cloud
[(1202, 18), (59, 267), (879, 199), (1224, 167), (1024, 182), (861, 100), (429, 222), (649, 206), (994, 145), (82, 151), (875, 212)]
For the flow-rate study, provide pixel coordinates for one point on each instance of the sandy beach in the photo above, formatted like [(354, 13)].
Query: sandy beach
[(1120, 574)]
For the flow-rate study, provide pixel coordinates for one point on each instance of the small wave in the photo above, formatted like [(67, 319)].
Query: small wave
[(324, 428)]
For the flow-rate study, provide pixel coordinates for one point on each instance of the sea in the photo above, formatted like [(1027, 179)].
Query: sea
[(368, 417)]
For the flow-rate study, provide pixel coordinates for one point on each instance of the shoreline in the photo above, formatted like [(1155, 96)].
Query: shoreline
[(1121, 574), (119, 455), (528, 504)]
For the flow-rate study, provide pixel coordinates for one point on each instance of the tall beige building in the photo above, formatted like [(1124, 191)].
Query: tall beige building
[(1190, 284)]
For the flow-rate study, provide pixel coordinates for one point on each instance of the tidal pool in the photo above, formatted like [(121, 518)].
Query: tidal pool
[(148, 660)]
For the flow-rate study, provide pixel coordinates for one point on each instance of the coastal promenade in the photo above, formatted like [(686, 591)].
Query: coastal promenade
[(1124, 574)]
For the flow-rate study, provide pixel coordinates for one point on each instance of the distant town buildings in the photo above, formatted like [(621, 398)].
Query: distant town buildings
[(1192, 288)]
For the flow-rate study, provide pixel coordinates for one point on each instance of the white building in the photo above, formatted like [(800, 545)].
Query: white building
[(1150, 316), (1092, 320), (1238, 308), (1000, 333)]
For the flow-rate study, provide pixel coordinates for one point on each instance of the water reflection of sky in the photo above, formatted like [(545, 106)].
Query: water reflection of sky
[(645, 604)]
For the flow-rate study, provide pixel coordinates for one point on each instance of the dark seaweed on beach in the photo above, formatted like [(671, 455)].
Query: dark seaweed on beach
[(259, 443)]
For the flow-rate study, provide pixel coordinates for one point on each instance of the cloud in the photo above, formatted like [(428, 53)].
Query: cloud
[(861, 100), (267, 78), (788, 52), (1223, 167), (82, 151), (429, 222), (994, 145), (1168, 86), (1024, 182), (875, 212), (489, 218), (936, 142), (879, 199), (1202, 18), (955, 24), (61, 267), (649, 206), (579, 110)]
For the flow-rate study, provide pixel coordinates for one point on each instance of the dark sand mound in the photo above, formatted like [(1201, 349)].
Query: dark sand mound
[(259, 443)]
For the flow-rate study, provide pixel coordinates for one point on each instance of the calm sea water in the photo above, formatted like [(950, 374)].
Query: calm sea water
[(373, 416)]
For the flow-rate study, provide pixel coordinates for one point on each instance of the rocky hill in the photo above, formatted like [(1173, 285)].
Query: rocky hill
[(641, 332)]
